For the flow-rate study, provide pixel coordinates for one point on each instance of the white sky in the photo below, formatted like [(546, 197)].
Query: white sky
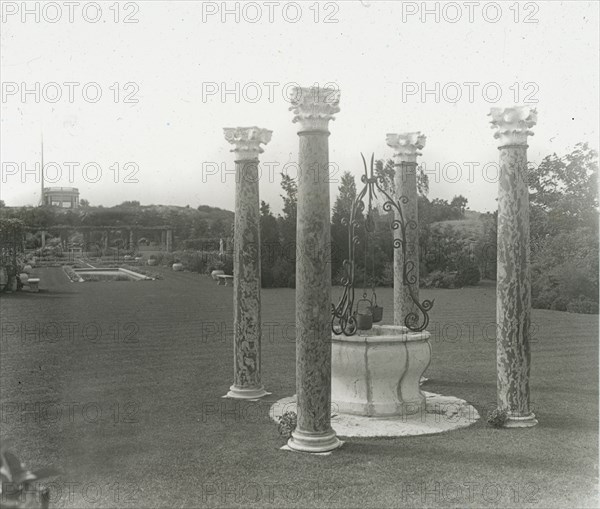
[(368, 54)]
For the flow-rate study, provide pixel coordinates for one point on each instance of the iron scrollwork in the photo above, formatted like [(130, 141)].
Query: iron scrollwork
[(343, 317)]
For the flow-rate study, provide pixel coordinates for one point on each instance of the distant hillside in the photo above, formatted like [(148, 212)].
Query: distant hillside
[(124, 214), (472, 226)]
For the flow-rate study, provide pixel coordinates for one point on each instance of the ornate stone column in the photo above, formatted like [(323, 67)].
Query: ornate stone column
[(247, 383), (313, 109), (513, 284), (406, 149)]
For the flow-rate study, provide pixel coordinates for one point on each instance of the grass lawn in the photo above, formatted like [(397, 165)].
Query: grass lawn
[(128, 404)]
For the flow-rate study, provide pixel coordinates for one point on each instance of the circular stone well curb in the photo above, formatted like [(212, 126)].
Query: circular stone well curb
[(442, 413)]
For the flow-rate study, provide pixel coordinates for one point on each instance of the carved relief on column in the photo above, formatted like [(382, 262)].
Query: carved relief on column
[(407, 147), (513, 285), (246, 262), (313, 109)]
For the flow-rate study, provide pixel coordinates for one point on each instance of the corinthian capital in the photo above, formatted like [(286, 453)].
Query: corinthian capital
[(247, 141), (406, 146), (314, 107), (513, 124)]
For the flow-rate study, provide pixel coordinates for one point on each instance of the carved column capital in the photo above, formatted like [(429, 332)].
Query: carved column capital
[(247, 141), (406, 146), (513, 124), (314, 107)]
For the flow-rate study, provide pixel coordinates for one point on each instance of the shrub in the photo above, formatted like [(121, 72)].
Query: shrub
[(583, 305), (287, 424), (560, 303), (284, 275), (387, 275), (497, 418), (468, 273), (450, 280), (544, 299)]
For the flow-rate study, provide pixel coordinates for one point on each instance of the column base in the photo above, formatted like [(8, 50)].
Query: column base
[(521, 421), (241, 393), (314, 441)]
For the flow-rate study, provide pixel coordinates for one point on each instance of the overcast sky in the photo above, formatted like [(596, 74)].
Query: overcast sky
[(172, 59)]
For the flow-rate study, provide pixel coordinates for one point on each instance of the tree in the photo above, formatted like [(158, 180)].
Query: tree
[(130, 203), (340, 219), (345, 199), (564, 231), (269, 244), (385, 170), (84, 203), (284, 269), (199, 228), (460, 203), (564, 192), (2, 204), (290, 199)]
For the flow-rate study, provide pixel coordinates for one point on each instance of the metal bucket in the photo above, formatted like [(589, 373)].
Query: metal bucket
[(376, 311), (364, 319)]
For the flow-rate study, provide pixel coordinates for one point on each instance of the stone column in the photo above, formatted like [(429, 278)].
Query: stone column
[(513, 284), (43, 239), (163, 240), (406, 149), (131, 244), (169, 240), (313, 109), (247, 383)]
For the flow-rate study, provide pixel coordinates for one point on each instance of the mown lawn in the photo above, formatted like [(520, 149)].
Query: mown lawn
[(128, 404)]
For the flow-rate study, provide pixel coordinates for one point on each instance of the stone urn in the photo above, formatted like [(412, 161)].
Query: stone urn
[(377, 372), (177, 267), (151, 261), (216, 273)]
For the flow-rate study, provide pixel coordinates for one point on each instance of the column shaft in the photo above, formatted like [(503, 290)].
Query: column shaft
[(513, 283), (247, 383), (313, 288), (314, 108), (405, 183), (246, 282)]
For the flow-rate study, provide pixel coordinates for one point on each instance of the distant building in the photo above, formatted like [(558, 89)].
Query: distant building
[(64, 197)]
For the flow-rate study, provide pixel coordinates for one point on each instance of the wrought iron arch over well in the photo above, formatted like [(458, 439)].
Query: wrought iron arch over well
[(345, 318)]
